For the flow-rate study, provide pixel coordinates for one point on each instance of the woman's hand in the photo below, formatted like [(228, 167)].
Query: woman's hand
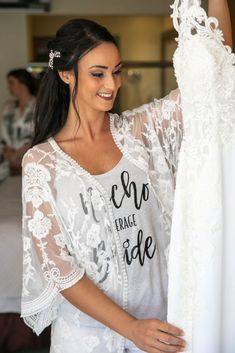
[(220, 10), (11, 156), (15, 156), (8, 152), (154, 336)]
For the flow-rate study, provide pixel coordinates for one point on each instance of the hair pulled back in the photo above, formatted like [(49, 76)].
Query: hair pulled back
[(73, 40), (24, 77)]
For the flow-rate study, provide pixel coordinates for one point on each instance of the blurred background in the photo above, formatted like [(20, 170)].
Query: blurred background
[(146, 38), (143, 30)]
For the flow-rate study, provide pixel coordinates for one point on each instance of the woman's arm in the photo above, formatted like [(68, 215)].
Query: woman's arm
[(220, 10), (15, 156), (152, 336)]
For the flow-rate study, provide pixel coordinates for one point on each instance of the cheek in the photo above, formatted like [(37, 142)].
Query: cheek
[(119, 82), (88, 86), (16, 88), (12, 89)]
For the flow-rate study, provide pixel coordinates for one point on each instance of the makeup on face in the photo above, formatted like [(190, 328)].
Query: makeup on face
[(99, 77), (101, 72)]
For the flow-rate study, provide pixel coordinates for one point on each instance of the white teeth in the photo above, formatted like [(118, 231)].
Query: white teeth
[(105, 95)]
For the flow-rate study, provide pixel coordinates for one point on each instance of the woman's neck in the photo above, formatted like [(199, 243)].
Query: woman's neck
[(89, 125), (24, 100)]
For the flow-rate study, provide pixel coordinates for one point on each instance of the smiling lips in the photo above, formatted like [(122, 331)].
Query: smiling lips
[(105, 96)]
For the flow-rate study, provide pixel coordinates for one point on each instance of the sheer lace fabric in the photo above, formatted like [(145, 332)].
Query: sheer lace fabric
[(200, 261), (69, 230)]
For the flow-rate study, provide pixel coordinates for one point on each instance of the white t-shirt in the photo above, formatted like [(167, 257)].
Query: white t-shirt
[(138, 222)]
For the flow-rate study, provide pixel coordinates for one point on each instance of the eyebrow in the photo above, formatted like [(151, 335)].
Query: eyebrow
[(104, 67)]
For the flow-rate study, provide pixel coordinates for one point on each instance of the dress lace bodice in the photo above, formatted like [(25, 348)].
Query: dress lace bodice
[(200, 261)]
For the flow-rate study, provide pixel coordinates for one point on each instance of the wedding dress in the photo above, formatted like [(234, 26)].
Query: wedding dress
[(202, 251)]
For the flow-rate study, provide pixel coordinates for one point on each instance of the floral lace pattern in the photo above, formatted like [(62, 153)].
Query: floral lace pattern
[(159, 132), (191, 19), (206, 76), (69, 228)]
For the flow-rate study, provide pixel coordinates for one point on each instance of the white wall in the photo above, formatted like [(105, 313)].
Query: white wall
[(13, 47)]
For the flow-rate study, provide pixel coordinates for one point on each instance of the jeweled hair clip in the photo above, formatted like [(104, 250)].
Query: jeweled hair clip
[(52, 55)]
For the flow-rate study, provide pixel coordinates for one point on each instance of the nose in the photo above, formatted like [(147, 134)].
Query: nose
[(110, 83)]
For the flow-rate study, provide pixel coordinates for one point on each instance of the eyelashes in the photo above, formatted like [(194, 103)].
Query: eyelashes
[(101, 74), (118, 72), (97, 75)]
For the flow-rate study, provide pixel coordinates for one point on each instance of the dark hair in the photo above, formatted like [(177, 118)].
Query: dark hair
[(24, 77), (73, 40)]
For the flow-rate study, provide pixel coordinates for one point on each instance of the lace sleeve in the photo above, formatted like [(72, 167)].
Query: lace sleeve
[(159, 123), (48, 263), (167, 116)]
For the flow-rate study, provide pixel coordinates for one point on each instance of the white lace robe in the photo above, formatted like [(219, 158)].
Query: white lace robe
[(69, 229), (202, 262)]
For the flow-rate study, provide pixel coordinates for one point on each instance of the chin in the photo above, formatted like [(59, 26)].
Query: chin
[(106, 107)]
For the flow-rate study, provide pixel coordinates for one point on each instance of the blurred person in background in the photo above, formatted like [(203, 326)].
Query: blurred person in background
[(17, 122)]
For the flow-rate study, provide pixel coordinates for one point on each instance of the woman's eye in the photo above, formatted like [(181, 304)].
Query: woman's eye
[(118, 72), (97, 74)]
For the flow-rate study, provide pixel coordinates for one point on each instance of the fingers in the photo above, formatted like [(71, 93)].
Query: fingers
[(168, 328), (154, 336), (166, 348), (163, 347), (170, 339), (167, 338)]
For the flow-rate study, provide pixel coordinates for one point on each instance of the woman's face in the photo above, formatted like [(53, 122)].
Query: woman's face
[(99, 78), (14, 86)]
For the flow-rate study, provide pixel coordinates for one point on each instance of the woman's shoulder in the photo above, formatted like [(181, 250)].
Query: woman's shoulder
[(159, 109), (9, 107), (131, 113), (173, 97), (32, 103), (42, 153)]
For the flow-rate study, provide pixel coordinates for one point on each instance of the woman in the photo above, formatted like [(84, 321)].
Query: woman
[(17, 125), (97, 196)]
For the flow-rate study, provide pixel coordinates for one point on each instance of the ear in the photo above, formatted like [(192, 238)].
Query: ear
[(66, 76)]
